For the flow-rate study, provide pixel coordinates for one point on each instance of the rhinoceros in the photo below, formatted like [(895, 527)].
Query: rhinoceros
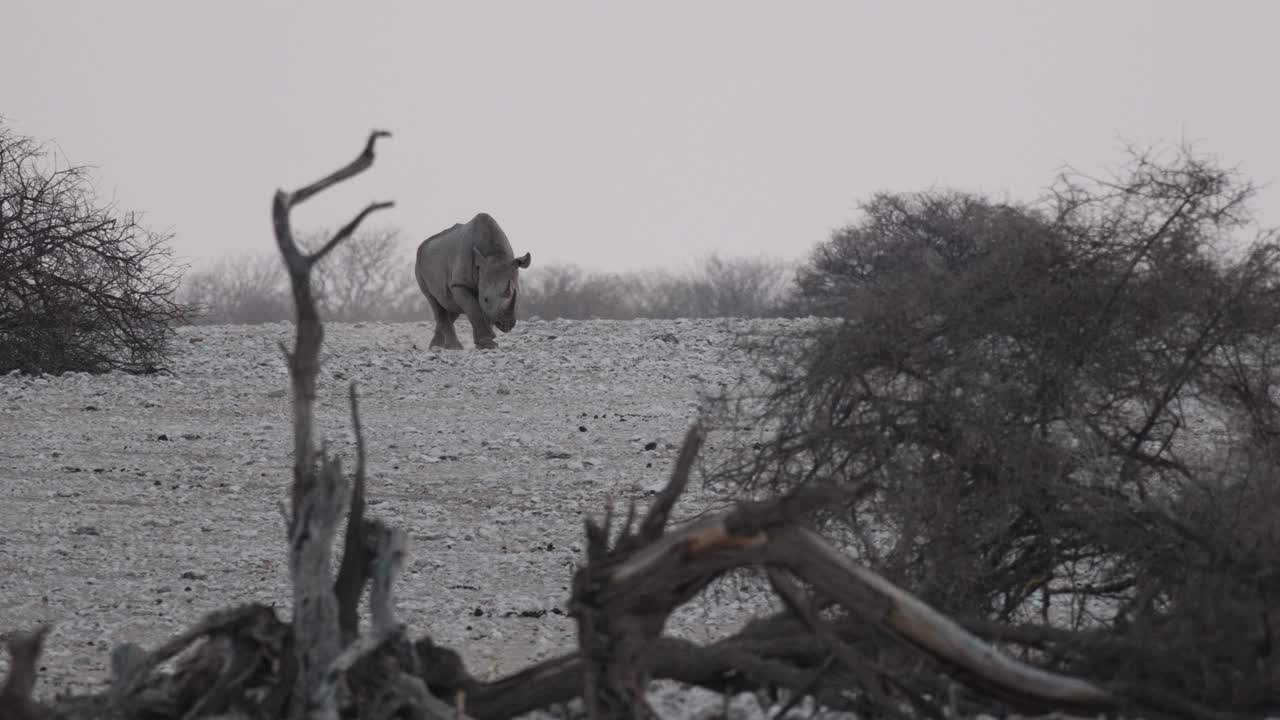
[(470, 269)]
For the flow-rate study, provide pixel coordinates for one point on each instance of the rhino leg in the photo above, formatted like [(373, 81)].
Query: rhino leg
[(481, 328), (444, 336)]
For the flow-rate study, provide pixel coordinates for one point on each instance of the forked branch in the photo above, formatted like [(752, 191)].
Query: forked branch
[(304, 361), (362, 162), (324, 616)]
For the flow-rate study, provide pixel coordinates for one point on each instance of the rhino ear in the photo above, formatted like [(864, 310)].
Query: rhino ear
[(522, 261)]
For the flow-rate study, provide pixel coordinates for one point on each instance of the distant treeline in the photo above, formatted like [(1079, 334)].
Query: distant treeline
[(371, 279)]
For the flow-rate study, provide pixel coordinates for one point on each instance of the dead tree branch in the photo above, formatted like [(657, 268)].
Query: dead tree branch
[(134, 672), (24, 656), (318, 497), (655, 522), (869, 675), (304, 361), (315, 608), (625, 594), (389, 554), (354, 571)]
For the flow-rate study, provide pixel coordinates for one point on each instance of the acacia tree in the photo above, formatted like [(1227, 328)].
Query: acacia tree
[(1068, 412), (83, 286)]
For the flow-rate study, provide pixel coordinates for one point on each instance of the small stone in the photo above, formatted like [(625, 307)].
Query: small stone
[(651, 445)]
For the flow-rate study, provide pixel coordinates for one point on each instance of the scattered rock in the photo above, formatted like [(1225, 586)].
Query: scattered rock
[(525, 613), (651, 445)]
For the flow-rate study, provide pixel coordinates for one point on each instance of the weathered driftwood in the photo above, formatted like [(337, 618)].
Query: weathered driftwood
[(246, 662)]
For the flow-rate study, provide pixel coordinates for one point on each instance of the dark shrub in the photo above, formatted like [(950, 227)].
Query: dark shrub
[(83, 287), (1067, 411)]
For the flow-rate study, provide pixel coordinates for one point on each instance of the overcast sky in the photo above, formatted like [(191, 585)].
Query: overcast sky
[(617, 135)]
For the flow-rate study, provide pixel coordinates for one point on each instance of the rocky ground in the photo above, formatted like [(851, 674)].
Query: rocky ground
[(130, 506)]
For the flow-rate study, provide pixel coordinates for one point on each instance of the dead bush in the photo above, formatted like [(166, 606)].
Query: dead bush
[(83, 286)]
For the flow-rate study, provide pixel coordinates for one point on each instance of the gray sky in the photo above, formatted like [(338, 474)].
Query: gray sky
[(618, 135)]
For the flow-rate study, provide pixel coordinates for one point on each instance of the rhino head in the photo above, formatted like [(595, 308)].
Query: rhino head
[(498, 284)]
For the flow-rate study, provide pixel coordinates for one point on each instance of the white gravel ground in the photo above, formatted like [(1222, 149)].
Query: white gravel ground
[(130, 506)]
